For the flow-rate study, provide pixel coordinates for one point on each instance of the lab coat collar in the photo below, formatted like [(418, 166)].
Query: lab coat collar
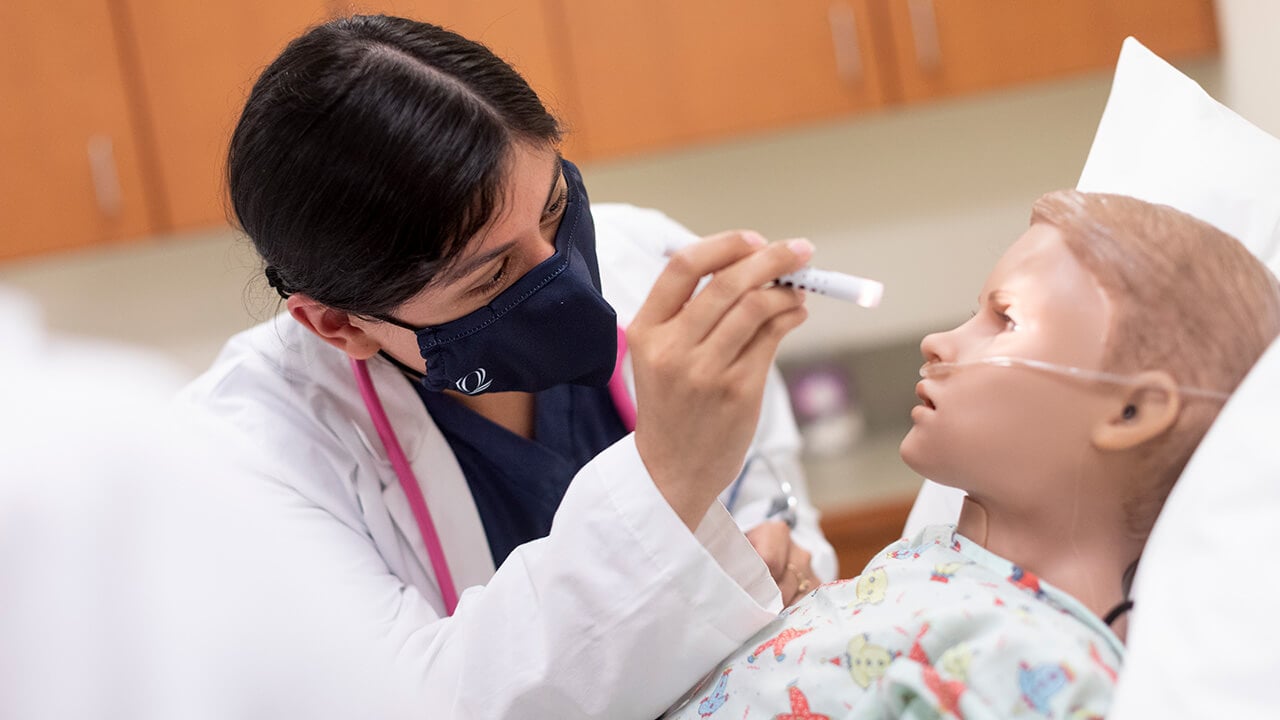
[(439, 475)]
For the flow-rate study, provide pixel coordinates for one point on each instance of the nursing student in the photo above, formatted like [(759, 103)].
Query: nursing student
[(510, 428)]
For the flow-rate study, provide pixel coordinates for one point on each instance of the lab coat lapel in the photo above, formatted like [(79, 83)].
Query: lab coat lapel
[(466, 549)]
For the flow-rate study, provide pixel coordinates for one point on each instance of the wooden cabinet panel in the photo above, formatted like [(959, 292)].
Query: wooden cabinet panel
[(1172, 28), (949, 47), (120, 110), (655, 73), (197, 62), (857, 534), (69, 163)]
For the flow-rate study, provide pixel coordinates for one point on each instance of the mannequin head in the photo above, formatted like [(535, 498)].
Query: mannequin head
[(1100, 282), (1188, 299)]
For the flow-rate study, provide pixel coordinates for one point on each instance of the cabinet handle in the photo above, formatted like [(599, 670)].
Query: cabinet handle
[(844, 37), (106, 179), (924, 31)]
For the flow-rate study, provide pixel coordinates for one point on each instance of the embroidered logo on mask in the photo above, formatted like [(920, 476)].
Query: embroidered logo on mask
[(476, 381)]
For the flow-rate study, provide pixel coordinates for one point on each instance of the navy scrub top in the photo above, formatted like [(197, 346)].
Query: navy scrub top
[(518, 483)]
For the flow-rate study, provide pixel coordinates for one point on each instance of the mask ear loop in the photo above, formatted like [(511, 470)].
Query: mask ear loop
[(411, 372), (935, 368)]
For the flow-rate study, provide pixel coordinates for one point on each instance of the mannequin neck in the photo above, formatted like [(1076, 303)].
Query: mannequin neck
[(1083, 551)]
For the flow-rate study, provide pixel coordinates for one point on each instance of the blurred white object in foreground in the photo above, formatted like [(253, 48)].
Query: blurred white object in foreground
[(115, 600)]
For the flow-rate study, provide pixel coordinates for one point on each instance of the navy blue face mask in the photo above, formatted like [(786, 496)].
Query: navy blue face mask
[(551, 327)]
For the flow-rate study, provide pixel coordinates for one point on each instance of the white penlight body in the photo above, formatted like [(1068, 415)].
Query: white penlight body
[(859, 290)]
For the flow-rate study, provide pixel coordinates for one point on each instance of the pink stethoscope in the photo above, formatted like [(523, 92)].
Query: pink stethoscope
[(409, 481)]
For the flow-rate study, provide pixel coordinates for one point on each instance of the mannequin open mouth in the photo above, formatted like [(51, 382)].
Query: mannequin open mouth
[(924, 398)]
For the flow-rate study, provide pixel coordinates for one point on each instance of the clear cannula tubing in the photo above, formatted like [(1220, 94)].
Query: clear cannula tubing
[(938, 369)]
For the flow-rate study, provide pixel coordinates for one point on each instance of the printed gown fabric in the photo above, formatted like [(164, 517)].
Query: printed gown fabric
[(934, 627)]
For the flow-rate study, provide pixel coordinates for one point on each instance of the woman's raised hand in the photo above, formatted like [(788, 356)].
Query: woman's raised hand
[(701, 361)]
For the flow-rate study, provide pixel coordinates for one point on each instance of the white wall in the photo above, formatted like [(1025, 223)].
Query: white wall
[(1250, 32), (923, 198)]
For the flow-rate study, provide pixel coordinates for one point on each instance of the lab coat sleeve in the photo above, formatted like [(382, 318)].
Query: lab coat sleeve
[(775, 455), (613, 615)]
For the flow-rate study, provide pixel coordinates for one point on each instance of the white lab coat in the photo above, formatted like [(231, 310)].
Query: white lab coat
[(613, 615)]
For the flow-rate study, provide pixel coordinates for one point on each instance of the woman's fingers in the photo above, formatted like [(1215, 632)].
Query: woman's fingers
[(752, 315), (800, 574), (772, 542), (701, 365), (731, 284), (757, 355), (686, 268), (790, 565)]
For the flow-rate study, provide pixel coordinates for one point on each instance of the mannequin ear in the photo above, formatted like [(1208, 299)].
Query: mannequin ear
[(332, 326), (1143, 412)]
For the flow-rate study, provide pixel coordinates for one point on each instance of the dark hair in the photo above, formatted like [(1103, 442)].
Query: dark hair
[(370, 152)]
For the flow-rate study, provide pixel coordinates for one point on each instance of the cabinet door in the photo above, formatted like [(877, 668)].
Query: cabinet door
[(197, 63), (858, 533), (948, 47), (69, 162), (518, 31), (653, 73)]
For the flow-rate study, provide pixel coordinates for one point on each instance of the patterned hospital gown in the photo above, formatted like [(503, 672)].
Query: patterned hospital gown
[(935, 627)]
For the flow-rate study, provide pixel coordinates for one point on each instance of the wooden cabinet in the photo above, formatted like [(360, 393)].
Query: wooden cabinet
[(199, 62), (71, 171), (654, 73), (119, 111), (196, 64), (857, 534), (950, 47)]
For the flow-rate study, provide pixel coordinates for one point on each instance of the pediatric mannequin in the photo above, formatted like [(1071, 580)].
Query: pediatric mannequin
[(1104, 343)]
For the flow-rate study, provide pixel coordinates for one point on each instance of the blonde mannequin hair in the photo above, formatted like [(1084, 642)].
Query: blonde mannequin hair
[(1187, 299)]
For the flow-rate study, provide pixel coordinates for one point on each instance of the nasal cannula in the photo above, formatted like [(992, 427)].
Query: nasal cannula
[(938, 369), (841, 286)]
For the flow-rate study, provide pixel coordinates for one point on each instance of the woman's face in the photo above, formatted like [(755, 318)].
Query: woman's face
[(520, 236), (993, 429)]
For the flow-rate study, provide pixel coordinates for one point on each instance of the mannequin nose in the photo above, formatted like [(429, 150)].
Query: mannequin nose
[(935, 347)]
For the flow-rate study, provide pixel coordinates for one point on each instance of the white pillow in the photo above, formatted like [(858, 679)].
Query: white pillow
[(1204, 640), (1163, 139)]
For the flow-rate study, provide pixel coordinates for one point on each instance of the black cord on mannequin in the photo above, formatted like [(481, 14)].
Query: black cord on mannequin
[(1125, 605)]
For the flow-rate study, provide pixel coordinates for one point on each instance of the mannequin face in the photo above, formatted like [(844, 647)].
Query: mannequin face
[(1005, 432)]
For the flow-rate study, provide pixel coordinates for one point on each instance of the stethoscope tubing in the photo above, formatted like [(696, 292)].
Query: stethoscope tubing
[(409, 484), (622, 401)]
